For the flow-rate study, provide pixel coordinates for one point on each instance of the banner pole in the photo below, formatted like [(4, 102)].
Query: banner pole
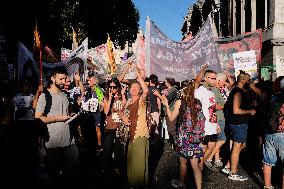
[(260, 56), (40, 66)]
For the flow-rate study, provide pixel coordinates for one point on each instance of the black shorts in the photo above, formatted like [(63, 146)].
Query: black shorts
[(210, 138)]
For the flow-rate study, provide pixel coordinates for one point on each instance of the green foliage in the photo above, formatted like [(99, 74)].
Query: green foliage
[(89, 18), (206, 8), (196, 20)]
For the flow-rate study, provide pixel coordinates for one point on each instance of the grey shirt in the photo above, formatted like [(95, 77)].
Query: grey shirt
[(59, 132)]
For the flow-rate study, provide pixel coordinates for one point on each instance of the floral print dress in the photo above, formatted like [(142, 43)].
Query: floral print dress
[(189, 136)]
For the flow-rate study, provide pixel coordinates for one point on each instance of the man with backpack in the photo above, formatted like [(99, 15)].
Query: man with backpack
[(52, 109), (273, 148)]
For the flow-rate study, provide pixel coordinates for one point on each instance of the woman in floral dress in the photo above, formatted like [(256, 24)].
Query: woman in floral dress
[(190, 133)]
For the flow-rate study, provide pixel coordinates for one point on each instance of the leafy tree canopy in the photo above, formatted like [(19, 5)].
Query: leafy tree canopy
[(88, 18)]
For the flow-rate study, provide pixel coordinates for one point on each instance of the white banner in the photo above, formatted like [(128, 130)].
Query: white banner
[(245, 61), (279, 65)]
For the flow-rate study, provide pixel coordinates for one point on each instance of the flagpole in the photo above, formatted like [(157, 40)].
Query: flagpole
[(40, 66)]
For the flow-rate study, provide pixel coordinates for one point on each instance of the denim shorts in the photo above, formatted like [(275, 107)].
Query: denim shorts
[(239, 133), (221, 135), (273, 148)]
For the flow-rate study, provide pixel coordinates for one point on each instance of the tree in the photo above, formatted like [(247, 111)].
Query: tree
[(89, 18), (206, 9), (196, 20)]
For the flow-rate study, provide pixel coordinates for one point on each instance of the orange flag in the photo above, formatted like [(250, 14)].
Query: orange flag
[(111, 62), (37, 43)]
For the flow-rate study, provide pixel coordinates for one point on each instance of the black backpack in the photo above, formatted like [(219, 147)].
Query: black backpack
[(43, 130)]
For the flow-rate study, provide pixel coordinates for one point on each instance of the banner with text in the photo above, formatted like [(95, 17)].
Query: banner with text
[(73, 63), (245, 61), (181, 60), (240, 43), (279, 65)]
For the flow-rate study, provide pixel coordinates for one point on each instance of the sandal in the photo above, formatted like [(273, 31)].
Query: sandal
[(177, 184)]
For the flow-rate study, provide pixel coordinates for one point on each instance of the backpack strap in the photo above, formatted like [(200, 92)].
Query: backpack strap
[(48, 102)]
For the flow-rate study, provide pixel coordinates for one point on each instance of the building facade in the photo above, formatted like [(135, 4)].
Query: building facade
[(240, 16)]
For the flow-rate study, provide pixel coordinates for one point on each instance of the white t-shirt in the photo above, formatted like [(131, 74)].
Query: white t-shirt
[(207, 99), (24, 102)]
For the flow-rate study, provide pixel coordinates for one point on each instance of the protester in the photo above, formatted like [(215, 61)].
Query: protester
[(172, 95), (273, 148), (209, 106), (135, 116), (9, 158), (189, 135), (63, 157), (76, 92), (92, 105), (221, 92), (114, 139), (238, 119), (25, 124)]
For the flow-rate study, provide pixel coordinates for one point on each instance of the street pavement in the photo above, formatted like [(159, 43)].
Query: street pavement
[(167, 170), (162, 170)]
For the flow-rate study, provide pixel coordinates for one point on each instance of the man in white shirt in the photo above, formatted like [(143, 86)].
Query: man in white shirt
[(207, 98)]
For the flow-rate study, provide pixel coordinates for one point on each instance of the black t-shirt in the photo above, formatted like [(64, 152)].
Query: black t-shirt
[(236, 119), (153, 99)]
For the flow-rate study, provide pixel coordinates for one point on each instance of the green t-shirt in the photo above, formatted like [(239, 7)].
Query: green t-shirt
[(220, 101)]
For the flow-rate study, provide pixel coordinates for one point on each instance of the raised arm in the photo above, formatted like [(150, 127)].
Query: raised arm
[(171, 115), (124, 72), (143, 85), (107, 103), (230, 79), (255, 89), (79, 83), (199, 76)]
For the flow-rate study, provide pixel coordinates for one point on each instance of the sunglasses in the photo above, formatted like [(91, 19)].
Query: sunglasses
[(113, 87)]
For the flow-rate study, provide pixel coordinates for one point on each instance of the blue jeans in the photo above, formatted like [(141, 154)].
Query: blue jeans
[(239, 132), (221, 135), (273, 147)]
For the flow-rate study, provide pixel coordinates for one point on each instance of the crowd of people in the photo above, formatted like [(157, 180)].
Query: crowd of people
[(208, 121)]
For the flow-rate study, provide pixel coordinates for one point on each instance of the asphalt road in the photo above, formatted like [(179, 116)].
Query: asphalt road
[(163, 168)]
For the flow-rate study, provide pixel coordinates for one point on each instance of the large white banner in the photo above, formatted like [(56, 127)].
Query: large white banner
[(279, 65), (245, 61), (181, 60)]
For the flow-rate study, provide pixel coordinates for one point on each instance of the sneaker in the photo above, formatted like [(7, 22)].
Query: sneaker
[(238, 177), (210, 166), (177, 184), (270, 187), (226, 170), (218, 164)]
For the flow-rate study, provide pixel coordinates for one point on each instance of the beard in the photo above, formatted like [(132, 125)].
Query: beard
[(59, 86)]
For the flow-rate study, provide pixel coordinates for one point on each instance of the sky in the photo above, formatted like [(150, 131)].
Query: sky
[(168, 15)]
